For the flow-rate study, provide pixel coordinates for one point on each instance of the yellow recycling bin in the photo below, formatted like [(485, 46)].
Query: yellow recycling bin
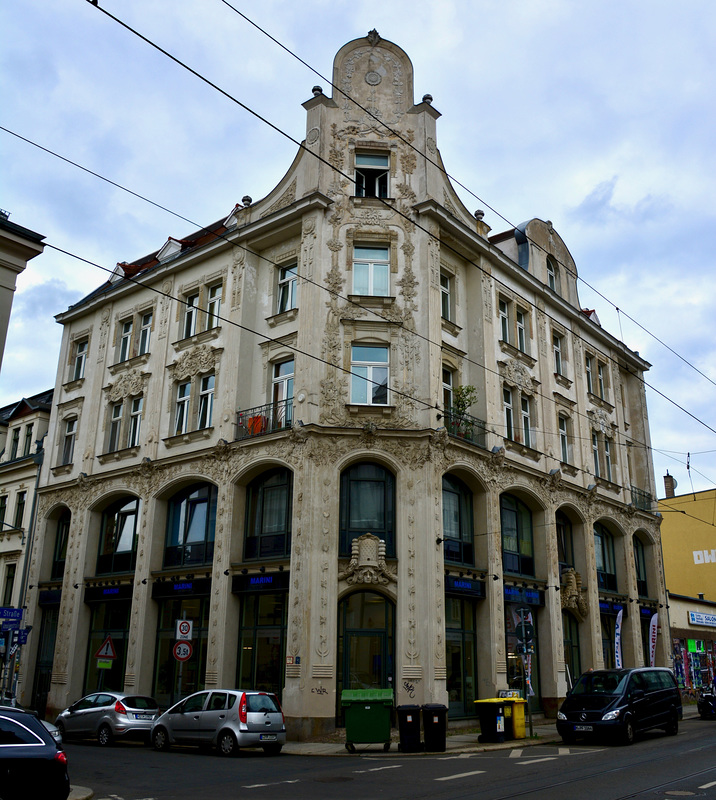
[(514, 717)]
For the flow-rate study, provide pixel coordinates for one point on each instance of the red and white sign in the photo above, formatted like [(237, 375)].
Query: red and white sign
[(107, 649), (184, 630), (183, 650)]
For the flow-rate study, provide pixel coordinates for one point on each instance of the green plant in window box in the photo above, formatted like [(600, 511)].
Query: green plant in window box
[(462, 399)]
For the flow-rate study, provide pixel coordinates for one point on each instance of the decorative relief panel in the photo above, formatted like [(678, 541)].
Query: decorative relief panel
[(367, 564)]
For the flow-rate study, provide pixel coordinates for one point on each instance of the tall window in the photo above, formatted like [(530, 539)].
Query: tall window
[(206, 401), (135, 421), (565, 543), (125, 341), (509, 413), (458, 544), (287, 282), (526, 421), (191, 312), (604, 552), (504, 313), (521, 331), (367, 505), (282, 393), (268, 515), (80, 359), (601, 378), (115, 427), (181, 415), (557, 350), (10, 571), (447, 389), (3, 510), (563, 438), (369, 381), (640, 566), (552, 275), (20, 509), (191, 526), (27, 445), (68, 444), (589, 372), (145, 333), (15, 444), (595, 453), (517, 542), (446, 300), (371, 271), (59, 554), (607, 458), (372, 171), (213, 306), (118, 537)]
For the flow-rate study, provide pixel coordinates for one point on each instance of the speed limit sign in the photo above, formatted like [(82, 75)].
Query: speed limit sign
[(184, 629), (183, 651)]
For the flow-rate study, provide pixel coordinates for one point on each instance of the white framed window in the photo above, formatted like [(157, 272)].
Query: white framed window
[(446, 296), (447, 388), (552, 275), (213, 306), (287, 283), (15, 444), (124, 350), (564, 438), (371, 271), (206, 401), (372, 172), (80, 360), (191, 312), (115, 427), (27, 444), (589, 372), (369, 382), (557, 351), (68, 442), (181, 416), (608, 458), (504, 313), (282, 393), (521, 331), (595, 453), (601, 379), (145, 333), (135, 421), (526, 421), (509, 413)]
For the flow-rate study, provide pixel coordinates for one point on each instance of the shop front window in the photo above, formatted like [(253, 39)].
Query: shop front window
[(522, 647), (109, 618), (262, 642), (460, 656)]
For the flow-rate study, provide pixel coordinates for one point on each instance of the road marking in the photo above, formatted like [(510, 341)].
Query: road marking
[(461, 775), (516, 753), (537, 760), (377, 769), (263, 785), (708, 785)]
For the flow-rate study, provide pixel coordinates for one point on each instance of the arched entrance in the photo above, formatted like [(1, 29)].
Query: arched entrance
[(365, 643)]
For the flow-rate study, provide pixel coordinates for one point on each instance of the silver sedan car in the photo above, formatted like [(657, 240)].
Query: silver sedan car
[(227, 719), (109, 716)]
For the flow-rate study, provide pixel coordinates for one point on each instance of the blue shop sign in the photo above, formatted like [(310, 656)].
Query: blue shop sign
[(270, 582), (609, 607), (467, 586), (520, 594)]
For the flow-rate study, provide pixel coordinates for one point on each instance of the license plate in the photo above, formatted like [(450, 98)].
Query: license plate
[(144, 716), (583, 728), (267, 737)]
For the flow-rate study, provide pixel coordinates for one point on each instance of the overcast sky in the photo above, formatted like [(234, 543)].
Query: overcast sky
[(597, 115)]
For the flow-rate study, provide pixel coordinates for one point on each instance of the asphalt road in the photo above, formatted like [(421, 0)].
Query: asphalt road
[(656, 766)]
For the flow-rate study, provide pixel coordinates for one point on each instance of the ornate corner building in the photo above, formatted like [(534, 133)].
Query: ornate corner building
[(353, 437)]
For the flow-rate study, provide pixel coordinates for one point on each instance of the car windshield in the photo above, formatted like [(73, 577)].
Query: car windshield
[(600, 683), (261, 703), (140, 702)]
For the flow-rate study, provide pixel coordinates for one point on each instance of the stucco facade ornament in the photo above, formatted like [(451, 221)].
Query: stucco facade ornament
[(367, 564), (128, 384), (193, 362), (573, 597), (288, 197), (517, 375)]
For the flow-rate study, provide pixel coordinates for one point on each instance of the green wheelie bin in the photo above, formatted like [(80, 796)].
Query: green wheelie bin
[(367, 714)]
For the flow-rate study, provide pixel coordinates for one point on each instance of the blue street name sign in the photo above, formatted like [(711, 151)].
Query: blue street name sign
[(11, 613)]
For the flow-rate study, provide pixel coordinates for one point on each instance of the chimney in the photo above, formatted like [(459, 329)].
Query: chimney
[(669, 484)]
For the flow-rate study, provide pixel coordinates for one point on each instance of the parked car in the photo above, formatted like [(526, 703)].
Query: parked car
[(11, 701), (109, 716), (227, 719), (31, 764), (620, 703)]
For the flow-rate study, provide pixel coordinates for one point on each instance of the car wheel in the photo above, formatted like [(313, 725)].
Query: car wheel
[(272, 749), (628, 732), (105, 736), (61, 728), (160, 739), (673, 727), (226, 744)]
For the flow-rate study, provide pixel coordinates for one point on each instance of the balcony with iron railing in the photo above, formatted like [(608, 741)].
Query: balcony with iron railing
[(260, 420), (463, 426), (641, 499)]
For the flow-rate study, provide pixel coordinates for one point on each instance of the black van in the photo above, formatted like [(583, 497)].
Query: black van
[(619, 703)]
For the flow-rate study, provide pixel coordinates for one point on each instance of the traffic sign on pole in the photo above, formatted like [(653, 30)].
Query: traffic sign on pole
[(183, 651), (106, 650), (184, 630)]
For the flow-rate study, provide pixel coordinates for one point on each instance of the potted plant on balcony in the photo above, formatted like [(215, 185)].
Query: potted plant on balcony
[(462, 399)]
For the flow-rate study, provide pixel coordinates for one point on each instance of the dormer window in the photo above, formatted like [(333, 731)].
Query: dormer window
[(372, 174)]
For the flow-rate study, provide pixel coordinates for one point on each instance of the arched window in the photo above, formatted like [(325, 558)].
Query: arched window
[(367, 506), (457, 522), (191, 523), (118, 537), (517, 542), (565, 546), (60, 552), (604, 552), (268, 515), (640, 565)]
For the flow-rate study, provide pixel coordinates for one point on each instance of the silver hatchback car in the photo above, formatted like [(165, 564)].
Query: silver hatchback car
[(109, 716), (227, 719)]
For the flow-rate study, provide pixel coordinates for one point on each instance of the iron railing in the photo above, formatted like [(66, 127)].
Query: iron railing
[(272, 417), (463, 426), (641, 499)]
